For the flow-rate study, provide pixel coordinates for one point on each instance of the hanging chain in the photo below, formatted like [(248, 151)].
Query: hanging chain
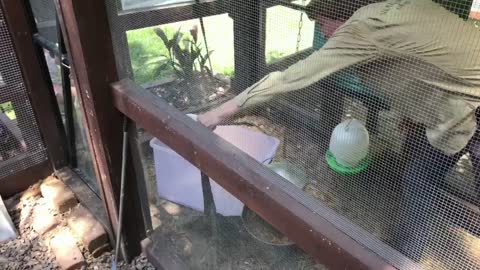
[(300, 26)]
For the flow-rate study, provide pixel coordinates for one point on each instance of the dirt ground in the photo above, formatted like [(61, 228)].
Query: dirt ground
[(32, 251)]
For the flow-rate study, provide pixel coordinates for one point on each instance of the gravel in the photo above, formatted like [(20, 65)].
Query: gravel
[(31, 250)]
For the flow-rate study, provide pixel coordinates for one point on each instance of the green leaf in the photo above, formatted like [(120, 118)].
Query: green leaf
[(195, 55), (163, 67), (162, 35), (175, 40), (179, 54), (204, 59), (177, 37)]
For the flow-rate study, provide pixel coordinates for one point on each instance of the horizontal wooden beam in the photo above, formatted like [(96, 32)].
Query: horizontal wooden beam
[(141, 18), (20, 181), (287, 61), (285, 3), (284, 206)]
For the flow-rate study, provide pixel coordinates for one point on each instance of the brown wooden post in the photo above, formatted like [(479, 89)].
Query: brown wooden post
[(249, 42), (87, 36)]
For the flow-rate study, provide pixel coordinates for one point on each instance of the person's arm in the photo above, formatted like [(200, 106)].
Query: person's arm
[(345, 49)]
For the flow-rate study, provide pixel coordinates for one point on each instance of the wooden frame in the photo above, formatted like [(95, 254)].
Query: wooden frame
[(22, 180), (35, 75), (249, 19), (87, 38), (255, 185), (141, 18)]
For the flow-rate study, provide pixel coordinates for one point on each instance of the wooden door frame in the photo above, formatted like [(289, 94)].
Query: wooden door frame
[(87, 36), (40, 95)]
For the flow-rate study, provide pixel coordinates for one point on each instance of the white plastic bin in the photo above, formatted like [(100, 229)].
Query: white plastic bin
[(177, 180), (180, 182), (7, 229)]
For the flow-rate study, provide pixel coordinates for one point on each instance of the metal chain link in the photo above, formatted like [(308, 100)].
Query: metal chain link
[(300, 26)]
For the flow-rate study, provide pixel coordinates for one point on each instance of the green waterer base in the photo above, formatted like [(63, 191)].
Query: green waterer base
[(334, 165)]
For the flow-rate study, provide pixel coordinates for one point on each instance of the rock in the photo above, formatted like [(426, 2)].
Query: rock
[(59, 196), (67, 254), (3, 260), (90, 231), (32, 192), (12, 203), (25, 216), (43, 219)]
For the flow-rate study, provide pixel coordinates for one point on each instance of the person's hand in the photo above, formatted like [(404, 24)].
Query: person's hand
[(209, 119), (218, 115)]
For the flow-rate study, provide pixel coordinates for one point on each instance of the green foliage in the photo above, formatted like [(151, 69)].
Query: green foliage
[(184, 55), (229, 71), (7, 108), (274, 56), (145, 54)]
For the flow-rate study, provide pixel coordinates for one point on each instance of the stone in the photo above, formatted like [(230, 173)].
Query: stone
[(31, 193), (58, 194), (88, 229), (43, 219), (12, 203), (67, 254), (25, 216), (101, 250)]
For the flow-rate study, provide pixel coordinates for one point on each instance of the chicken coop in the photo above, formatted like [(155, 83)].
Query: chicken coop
[(355, 141)]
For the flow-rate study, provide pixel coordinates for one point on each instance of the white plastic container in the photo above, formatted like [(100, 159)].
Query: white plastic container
[(180, 182), (350, 143), (7, 229)]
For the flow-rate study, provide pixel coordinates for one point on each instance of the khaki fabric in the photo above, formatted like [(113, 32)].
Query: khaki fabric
[(421, 57)]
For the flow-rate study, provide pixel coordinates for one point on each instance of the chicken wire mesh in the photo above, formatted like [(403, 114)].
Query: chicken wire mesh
[(408, 71), (21, 145)]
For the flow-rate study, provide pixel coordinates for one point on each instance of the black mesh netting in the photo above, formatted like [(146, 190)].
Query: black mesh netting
[(21, 145)]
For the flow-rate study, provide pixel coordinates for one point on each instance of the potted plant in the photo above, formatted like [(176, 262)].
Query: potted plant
[(194, 83)]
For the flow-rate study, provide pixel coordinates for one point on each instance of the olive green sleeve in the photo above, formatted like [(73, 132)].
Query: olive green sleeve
[(348, 47)]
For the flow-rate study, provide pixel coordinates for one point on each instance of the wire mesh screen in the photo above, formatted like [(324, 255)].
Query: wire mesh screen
[(375, 101), (21, 145)]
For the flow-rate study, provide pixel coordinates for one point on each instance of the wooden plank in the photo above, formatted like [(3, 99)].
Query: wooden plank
[(137, 154), (22, 180), (287, 61), (285, 3), (141, 18), (88, 40), (37, 81), (259, 188)]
